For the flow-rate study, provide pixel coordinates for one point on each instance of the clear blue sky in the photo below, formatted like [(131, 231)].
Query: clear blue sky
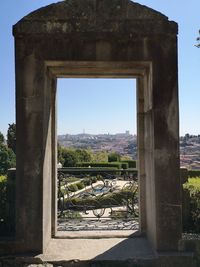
[(120, 110)]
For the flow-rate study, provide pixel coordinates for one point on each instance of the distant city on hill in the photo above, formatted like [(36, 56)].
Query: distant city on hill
[(126, 145)]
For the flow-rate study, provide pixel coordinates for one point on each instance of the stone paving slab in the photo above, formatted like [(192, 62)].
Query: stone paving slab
[(101, 224), (98, 249)]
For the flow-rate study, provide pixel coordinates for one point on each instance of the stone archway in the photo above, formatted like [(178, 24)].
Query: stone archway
[(97, 38)]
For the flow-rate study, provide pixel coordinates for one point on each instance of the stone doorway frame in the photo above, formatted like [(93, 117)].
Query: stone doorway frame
[(42, 226), (96, 38)]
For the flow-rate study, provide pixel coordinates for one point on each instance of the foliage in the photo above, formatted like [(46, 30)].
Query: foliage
[(86, 181), (2, 139), (71, 215), (7, 159), (193, 187), (124, 165), (83, 155), (73, 187), (193, 173), (100, 156), (11, 137), (7, 205), (120, 198), (94, 179), (114, 157), (72, 179), (3, 181), (80, 185), (131, 163), (3, 214), (116, 165), (59, 155), (69, 157)]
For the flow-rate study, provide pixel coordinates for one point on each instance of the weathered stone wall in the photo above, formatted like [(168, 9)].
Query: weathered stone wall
[(97, 32)]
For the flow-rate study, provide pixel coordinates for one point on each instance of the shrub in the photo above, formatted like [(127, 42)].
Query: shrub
[(80, 185), (3, 183), (124, 165), (73, 187), (114, 157), (192, 188), (86, 181), (7, 159), (94, 179), (131, 163), (116, 165), (126, 197), (193, 173), (3, 200)]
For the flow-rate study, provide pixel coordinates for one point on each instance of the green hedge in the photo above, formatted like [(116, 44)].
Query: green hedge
[(3, 200), (193, 173), (109, 200), (192, 190), (116, 165), (7, 205), (131, 163)]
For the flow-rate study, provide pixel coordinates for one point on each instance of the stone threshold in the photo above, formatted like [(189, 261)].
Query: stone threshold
[(97, 234), (108, 252)]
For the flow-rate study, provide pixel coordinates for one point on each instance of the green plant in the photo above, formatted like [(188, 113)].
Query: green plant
[(7, 159), (114, 157), (193, 173), (72, 179), (71, 215), (131, 163), (11, 137), (73, 187), (80, 185), (124, 165), (3, 215), (94, 179), (116, 165), (125, 197), (86, 181), (192, 187)]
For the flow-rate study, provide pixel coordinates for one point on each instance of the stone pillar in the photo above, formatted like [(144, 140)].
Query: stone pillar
[(165, 228), (34, 173)]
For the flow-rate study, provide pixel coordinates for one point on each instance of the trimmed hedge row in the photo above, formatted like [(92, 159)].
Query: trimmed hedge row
[(193, 173), (117, 165), (124, 164), (131, 163), (7, 205)]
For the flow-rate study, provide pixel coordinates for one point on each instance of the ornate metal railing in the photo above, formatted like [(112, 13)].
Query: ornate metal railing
[(97, 199)]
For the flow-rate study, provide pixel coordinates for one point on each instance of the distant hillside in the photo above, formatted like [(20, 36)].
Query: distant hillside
[(123, 143)]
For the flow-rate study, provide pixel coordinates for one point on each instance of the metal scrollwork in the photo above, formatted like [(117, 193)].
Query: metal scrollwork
[(111, 198)]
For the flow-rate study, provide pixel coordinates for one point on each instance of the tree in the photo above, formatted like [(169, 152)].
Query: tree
[(2, 139), (59, 156), (7, 159), (69, 157), (11, 137), (100, 156), (114, 156), (83, 155)]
